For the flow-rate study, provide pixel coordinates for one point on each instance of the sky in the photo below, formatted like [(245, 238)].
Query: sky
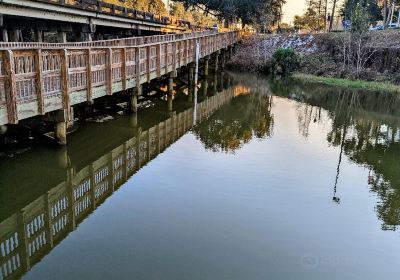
[(292, 8)]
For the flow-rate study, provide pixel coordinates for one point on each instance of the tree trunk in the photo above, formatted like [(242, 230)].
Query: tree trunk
[(332, 15), (385, 15)]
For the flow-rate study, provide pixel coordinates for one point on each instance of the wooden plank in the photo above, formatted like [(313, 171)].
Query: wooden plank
[(174, 58), (159, 60), (165, 46), (123, 69), (187, 45), (137, 66), (89, 81), (148, 57), (109, 71), (10, 88), (65, 83), (39, 81)]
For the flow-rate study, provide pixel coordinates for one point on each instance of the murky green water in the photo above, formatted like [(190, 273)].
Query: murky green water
[(276, 181)]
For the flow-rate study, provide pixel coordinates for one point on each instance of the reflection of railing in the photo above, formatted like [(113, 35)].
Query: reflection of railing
[(49, 77), (29, 234)]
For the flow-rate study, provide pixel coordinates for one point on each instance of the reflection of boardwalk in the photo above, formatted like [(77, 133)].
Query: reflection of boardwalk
[(29, 234)]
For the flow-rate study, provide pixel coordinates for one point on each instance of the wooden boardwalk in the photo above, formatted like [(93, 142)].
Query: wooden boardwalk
[(38, 78), (94, 12), (33, 231)]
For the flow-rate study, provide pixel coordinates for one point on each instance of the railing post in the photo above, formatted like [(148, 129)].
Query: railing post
[(10, 88), (123, 69), (158, 60), (137, 66), (39, 81), (65, 82), (174, 58), (187, 45), (109, 71), (148, 49), (89, 93)]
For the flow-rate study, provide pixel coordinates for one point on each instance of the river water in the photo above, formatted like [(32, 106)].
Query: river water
[(259, 180)]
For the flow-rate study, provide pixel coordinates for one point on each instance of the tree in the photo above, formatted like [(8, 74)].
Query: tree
[(153, 6), (314, 17), (248, 11), (334, 2), (374, 9), (194, 15)]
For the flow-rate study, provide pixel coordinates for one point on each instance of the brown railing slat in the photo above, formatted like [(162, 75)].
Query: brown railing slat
[(89, 90), (109, 71), (65, 82), (123, 69), (39, 81), (10, 87)]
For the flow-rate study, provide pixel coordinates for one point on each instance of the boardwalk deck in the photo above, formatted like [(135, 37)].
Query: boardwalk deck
[(93, 12), (37, 78)]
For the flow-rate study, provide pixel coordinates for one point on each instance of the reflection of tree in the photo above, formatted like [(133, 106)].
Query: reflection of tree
[(236, 123), (366, 126)]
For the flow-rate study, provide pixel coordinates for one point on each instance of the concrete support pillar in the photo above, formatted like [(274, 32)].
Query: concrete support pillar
[(61, 36), (170, 103), (133, 103), (60, 120), (133, 120), (190, 93), (39, 35), (133, 98), (216, 61), (191, 74), (170, 83), (223, 59), (206, 65), (170, 90), (204, 88), (4, 34), (14, 35), (215, 83), (60, 132), (86, 37)]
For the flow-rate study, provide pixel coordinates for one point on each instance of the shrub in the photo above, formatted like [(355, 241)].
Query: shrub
[(285, 61)]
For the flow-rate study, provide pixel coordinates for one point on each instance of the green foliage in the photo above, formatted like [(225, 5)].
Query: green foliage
[(314, 17), (374, 10), (193, 14), (285, 61), (360, 19), (153, 6), (346, 83), (248, 11)]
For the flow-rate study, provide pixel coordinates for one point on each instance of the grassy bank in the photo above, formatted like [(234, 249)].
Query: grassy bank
[(351, 84)]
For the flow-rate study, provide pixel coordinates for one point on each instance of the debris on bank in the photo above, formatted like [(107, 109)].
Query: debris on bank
[(256, 52)]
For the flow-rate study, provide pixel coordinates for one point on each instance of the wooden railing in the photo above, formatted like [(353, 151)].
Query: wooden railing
[(29, 234), (37, 78), (107, 8)]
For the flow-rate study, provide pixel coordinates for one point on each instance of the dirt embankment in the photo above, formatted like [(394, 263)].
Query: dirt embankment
[(374, 56)]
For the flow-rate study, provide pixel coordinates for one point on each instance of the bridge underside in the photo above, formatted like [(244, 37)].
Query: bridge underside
[(44, 21)]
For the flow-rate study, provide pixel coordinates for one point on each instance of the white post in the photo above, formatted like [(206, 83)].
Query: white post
[(196, 76), (398, 19), (392, 14)]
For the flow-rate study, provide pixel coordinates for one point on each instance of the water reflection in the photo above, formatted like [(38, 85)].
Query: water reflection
[(366, 127), (79, 185), (49, 200), (247, 116)]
